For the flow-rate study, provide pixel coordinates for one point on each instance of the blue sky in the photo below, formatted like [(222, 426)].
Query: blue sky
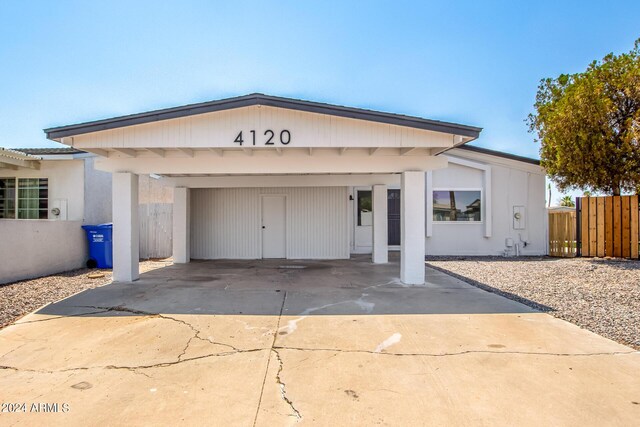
[(470, 62)]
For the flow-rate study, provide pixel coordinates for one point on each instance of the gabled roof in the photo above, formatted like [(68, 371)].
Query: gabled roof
[(266, 100)]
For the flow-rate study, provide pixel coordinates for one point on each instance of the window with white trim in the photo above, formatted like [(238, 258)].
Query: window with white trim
[(24, 198), (451, 205)]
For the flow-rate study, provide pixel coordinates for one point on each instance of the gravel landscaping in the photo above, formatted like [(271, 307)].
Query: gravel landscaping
[(25, 296), (601, 295)]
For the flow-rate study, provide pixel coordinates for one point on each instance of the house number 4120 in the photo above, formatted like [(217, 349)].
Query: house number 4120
[(270, 137)]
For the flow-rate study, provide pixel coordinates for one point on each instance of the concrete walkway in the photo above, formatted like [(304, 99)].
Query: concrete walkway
[(292, 342)]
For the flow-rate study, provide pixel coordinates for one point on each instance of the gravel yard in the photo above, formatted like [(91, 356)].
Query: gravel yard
[(601, 295), (20, 298)]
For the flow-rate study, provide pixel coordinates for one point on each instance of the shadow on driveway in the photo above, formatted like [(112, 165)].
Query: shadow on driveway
[(287, 287)]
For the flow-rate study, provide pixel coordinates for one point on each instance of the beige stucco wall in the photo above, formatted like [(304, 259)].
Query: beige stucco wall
[(34, 248)]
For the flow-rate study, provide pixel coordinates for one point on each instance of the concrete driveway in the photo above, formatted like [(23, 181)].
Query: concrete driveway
[(305, 342)]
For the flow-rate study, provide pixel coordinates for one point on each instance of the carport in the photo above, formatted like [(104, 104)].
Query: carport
[(260, 177)]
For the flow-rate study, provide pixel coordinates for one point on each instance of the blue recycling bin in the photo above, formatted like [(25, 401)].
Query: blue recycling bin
[(100, 245)]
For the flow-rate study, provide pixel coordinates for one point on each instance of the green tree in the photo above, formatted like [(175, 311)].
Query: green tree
[(567, 201), (588, 125)]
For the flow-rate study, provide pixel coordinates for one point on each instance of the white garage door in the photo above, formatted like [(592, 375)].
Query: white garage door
[(227, 222)]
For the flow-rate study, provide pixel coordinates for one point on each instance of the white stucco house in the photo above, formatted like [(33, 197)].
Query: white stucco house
[(45, 196), (259, 176)]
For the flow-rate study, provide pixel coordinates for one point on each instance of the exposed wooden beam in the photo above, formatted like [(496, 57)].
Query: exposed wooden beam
[(14, 164), (129, 152), (187, 151), (157, 151), (217, 151), (67, 140), (8, 166), (405, 151), (98, 151), (374, 150)]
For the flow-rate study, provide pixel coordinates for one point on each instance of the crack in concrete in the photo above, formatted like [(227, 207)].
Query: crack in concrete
[(196, 331), (459, 353), (57, 317), (283, 386), (333, 350), (266, 371), (17, 348), (138, 369), (135, 369), (132, 368)]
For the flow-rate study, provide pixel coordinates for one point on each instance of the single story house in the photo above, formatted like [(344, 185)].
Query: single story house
[(47, 194), (259, 176), (45, 197)]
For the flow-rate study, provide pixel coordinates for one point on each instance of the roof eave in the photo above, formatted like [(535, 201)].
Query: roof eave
[(56, 133), (496, 153)]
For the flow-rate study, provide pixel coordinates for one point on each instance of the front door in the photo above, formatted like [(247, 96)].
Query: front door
[(393, 214), (274, 222)]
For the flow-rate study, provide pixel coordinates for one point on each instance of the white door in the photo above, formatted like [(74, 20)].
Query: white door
[(274, 223), (363, 221)]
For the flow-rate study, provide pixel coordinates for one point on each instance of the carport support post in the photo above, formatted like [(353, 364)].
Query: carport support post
[(380, 253), (412, 237), (126, 234), (181, 225)]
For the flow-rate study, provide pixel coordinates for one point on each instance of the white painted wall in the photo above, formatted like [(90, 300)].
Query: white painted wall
[(66, 182), (126, 227), (225, 222), (34, 248), (97, 194), (220, 129), (380, 250), (181, 225), (412, 227), (269, 162), (512, 184)]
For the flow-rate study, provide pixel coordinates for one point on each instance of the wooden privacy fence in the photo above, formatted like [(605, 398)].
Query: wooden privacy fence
[(562, 234), (156, 230), (607, 226)]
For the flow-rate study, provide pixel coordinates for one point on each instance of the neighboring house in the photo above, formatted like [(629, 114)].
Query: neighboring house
[(267, 177), (45, 197), (47, 194)]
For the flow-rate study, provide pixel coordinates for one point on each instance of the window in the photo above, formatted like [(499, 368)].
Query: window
[(457, 205), (30, 201), (364, 208), (7, 197)]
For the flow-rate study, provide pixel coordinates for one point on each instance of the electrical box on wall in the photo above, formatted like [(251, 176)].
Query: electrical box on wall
[(519, 218), (58, 209)]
